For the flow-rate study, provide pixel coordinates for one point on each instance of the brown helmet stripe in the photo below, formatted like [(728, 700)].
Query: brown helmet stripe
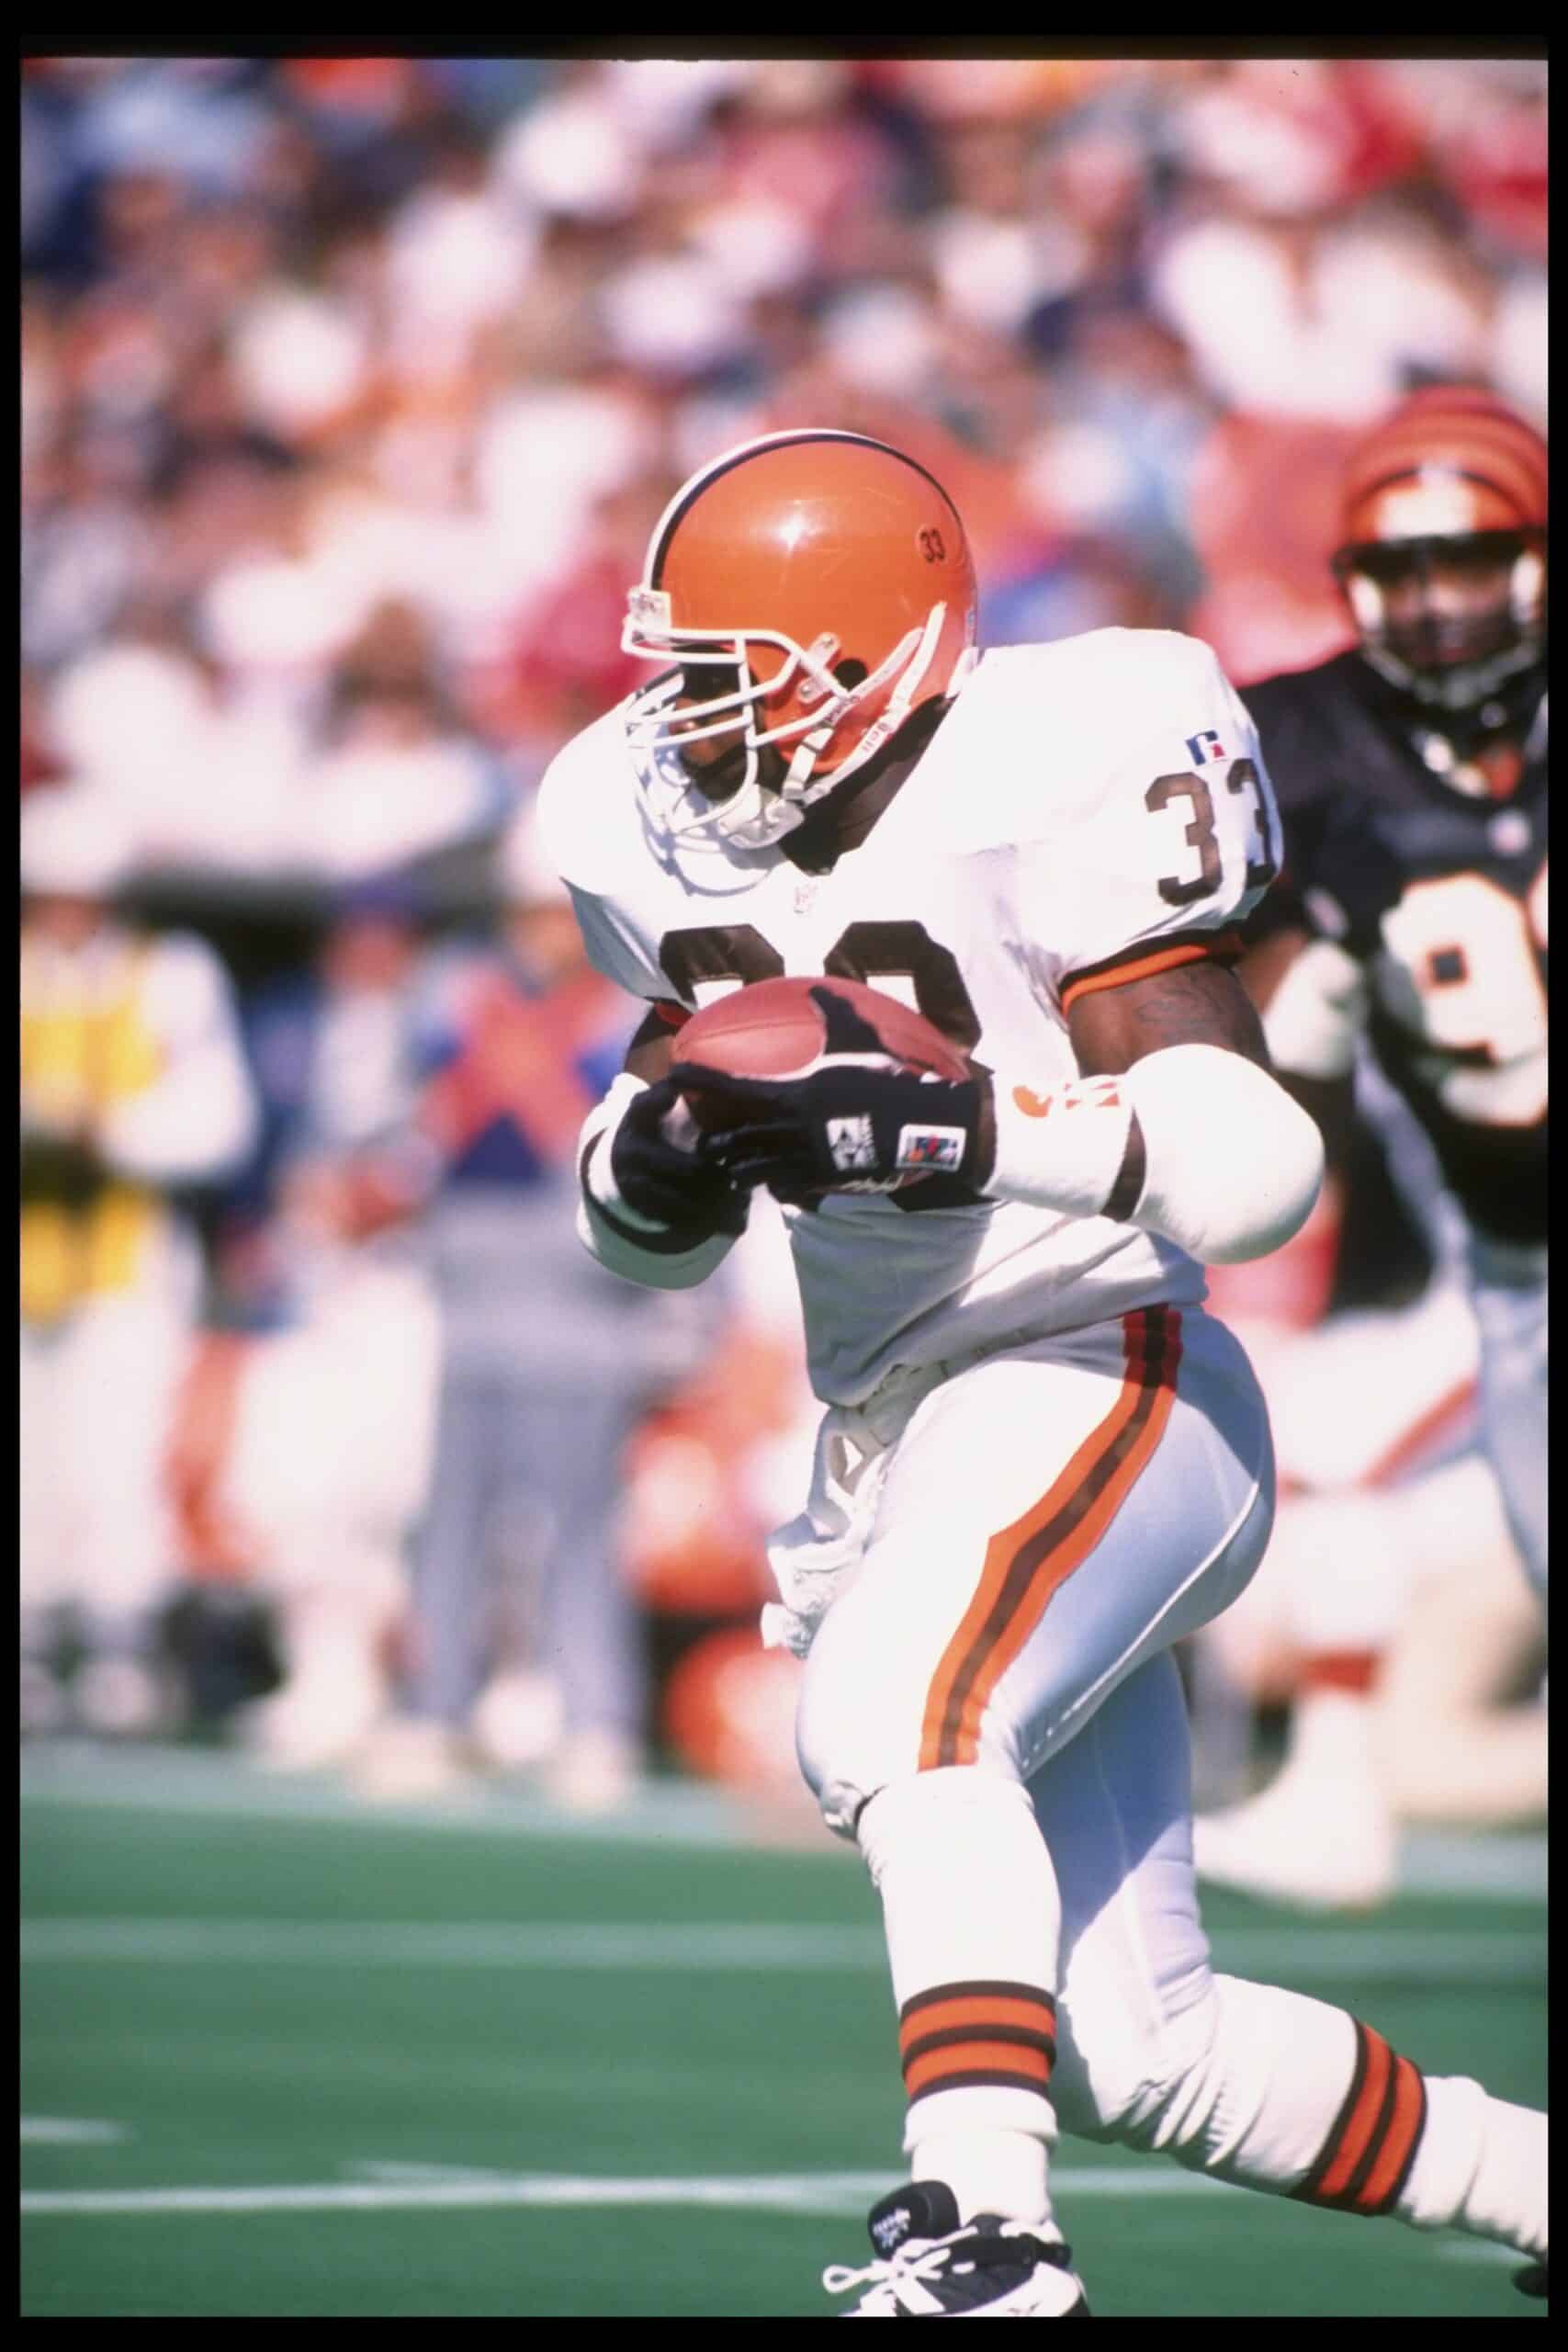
[(684, 501)]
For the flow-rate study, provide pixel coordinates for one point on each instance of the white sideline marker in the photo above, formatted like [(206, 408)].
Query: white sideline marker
[(1307, 1953), (71, 2132), (823, 2193)]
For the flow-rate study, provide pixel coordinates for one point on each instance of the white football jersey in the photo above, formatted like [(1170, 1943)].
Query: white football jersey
[(1098, 805)]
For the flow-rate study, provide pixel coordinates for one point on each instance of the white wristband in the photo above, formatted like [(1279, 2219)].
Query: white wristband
[(1232, 1166), (1059, 1147), (626, 1243), (598, 1172)]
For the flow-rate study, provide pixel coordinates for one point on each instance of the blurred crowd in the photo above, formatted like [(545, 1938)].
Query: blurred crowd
[(351, 390)]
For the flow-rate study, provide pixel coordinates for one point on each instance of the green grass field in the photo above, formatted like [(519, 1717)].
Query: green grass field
[(281, 2057)]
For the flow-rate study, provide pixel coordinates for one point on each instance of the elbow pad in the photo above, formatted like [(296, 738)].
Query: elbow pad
[(1233, 1166), (625, 1243)]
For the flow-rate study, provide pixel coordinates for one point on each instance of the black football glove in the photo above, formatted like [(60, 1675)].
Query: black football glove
[(687, 1190), (858, 1122)]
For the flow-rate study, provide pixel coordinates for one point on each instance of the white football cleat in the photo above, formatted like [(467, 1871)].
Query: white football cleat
[(931, 2266)]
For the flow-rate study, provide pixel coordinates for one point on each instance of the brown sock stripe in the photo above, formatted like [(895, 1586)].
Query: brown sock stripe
[(987, 1990), (955, 2037), (999, 2014), (988, 2032), (1366, 2157), (1406, 2120), (978, 2062)]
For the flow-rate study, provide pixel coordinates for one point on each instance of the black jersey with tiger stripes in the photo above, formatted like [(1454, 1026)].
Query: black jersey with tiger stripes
[(1441, 892)]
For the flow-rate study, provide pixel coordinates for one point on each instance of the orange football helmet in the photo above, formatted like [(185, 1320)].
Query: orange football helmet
[(831, 577), (1453, 478)]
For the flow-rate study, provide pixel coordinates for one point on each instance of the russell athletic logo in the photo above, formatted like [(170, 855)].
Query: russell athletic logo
[(1204, 745)]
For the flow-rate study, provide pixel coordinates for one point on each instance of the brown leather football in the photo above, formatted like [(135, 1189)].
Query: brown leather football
[(775, 1029)]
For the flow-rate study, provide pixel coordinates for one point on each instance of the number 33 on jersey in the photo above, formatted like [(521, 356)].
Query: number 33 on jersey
[(1086, 810), (1087, 813)]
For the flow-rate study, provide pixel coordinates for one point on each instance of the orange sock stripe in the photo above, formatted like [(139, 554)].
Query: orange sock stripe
[(1017, 2037), (969, 2061), (1374, 2067), (978, 1988), (1352, 1670), (976, 2015), (1402, 2136), (1366, 2157), (1027, 1562)]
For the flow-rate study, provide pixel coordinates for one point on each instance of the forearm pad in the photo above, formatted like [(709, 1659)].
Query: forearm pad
[(1231, 1165), (623, 1242)]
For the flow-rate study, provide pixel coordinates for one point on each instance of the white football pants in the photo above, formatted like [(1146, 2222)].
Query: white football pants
[(1046, 1521), (989, 1705)]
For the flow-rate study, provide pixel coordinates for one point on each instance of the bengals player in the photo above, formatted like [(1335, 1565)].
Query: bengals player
[(1410, 928), (1412, 781), (1041, 1462)]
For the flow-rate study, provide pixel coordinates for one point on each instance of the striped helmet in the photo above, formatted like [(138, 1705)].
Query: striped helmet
[(808, 590), (1454, 478)]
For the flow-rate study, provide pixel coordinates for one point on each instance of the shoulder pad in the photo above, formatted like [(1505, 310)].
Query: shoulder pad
[(587, 806), (1039, 729)]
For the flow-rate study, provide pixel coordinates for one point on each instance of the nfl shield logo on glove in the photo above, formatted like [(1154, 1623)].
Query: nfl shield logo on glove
[(927, 1149)]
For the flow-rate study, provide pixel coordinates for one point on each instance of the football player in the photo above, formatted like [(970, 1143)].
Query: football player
[(1041, 1462), (1410, 928)]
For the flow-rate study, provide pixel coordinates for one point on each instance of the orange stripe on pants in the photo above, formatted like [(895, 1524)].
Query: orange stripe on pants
[(1025, 1564)]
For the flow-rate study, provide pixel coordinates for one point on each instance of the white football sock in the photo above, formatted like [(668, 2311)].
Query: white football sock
[(972, 1919), (1481, 2166)]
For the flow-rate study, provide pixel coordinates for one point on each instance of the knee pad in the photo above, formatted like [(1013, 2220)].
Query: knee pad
[(950, 1809)]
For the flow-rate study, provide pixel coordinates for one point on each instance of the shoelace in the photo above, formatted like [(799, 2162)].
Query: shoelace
[(920, 2259)]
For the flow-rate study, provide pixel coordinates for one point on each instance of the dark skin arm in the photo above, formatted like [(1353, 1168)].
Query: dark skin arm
[(1111, 1029)]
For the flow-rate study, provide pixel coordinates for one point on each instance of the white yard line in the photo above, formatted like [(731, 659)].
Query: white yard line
[(71, 2132), (675, 1813), (827, 2193), (180, 1781), (1307, 1952)]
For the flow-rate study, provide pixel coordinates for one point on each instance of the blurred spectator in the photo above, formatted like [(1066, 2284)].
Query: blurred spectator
[(395, 776), (545, 1369), (133, 1090), (351, 388), (319, 1464)]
